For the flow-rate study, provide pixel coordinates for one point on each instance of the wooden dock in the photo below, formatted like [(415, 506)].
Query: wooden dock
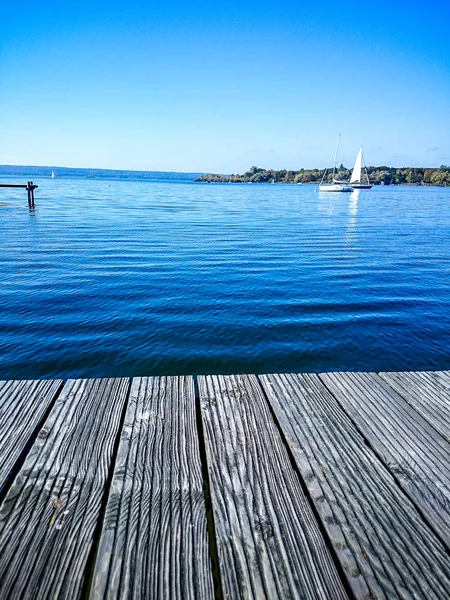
[(325, 486)]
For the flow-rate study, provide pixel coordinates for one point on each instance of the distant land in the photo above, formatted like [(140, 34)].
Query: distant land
[(377, 175), (27, 171), (383, 175)]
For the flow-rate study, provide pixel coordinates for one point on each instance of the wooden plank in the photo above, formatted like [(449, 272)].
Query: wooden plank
[(154, 541), (49, 516), (417, 456), (428, 392), (383, 545), (23, 405), (13, 185), (269, 542)]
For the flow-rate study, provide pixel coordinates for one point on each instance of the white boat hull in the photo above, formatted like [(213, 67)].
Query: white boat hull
[(335, 187)]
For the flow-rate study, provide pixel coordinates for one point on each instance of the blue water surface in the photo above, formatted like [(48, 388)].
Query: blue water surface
[(121, 278)]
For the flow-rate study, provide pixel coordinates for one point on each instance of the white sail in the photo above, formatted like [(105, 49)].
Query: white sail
[(356, 173)]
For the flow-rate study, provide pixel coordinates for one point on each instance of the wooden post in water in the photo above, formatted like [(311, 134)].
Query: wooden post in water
[(30, 189)]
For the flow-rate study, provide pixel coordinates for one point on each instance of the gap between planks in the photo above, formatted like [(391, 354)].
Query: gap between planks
[(94, 550)]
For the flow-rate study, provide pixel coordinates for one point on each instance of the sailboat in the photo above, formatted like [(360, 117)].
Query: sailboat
[(53, 175), (355, 179), (336, 186)]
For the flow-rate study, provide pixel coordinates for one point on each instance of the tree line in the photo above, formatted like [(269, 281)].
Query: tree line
[(377, 175)]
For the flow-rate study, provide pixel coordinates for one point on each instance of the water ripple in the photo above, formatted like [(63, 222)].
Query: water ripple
[(166, 278)]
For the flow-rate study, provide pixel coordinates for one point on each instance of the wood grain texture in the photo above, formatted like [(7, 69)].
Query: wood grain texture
[(269, 542), (383, 545), (428, 392), (23, 405), (416, 455), (49, 516), (154, 541)]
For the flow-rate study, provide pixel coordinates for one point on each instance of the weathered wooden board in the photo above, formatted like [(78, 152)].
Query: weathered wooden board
[(154, 541), (49, 516), (383, 545), (428, 392), (412, 450), (269, 542), (23, 405)]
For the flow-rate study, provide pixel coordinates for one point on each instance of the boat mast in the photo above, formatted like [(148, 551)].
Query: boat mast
[(326, 170), (365, 168), (335, 155)]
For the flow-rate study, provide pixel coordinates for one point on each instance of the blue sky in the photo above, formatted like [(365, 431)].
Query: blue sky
[(220, 86)]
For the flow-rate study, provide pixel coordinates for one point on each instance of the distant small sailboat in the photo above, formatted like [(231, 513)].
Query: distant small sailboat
[(336, 186), (53, 175)]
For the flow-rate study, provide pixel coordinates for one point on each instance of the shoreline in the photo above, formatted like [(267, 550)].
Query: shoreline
[(382, 175)]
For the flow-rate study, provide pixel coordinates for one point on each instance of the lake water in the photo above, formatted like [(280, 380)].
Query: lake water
[(134, 278)]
